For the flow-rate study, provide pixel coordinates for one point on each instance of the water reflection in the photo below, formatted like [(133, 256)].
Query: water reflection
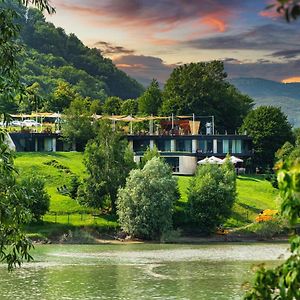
[(137, 272)]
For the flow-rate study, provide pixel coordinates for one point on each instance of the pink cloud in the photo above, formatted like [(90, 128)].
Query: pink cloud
[(163, 16)]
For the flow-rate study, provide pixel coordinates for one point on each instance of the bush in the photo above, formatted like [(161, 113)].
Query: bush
[(145, 204), (270, 228), (35, 196), (211, 196)]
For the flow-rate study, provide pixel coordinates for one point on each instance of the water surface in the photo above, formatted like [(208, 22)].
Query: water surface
[(140, 271)]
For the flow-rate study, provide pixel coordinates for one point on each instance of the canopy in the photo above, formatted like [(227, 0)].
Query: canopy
[(233, 159), (210, 160)]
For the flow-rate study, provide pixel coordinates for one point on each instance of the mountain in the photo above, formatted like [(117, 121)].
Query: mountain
[(49, 56), (268, 92)]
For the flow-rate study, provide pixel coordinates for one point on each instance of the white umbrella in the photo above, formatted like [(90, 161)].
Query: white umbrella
[(215, 160), (233, 159), (203, 161), (210, 160)]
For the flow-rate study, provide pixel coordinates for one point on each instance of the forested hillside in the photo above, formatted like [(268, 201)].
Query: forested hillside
[(50, 58), (268, 92)]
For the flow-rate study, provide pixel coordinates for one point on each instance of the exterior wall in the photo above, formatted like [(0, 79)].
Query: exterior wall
[(8, 140), (187, 165)]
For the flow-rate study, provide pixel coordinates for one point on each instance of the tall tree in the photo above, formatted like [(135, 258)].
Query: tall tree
[(108, 161), (112, 105), (269, 129), (201, 88), (129, 107), (151, 100), (211, 195), (77, 126), (14, 246), (62, 96), (145, 204)]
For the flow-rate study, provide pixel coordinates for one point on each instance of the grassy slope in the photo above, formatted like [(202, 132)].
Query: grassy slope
[(33, 163), (254, 193)]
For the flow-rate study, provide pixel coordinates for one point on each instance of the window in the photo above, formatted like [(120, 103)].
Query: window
[(202, 146), (210, 146), (140, 145), (173, 162), (226, 146), (163, 145), (219, 146), (184, 145)]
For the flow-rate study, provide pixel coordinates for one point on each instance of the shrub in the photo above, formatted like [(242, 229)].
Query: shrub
[(211, 196), (35, 196), (145, 204)]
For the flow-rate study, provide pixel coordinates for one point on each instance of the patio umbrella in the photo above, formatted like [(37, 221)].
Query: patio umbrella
[(210, 160), (233, 159), (215, 160), (203, 161)]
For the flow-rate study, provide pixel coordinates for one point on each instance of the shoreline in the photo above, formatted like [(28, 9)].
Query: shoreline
[(193, 240)]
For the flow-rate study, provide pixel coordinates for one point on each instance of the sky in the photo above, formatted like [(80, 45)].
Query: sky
[(148, 39)]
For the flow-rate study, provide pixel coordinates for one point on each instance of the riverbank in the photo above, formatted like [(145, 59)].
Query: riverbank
[(89, 236)]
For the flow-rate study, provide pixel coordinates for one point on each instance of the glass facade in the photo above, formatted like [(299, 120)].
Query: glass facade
[(141, 145), (217, 145), (173, 162), (163, 145), (225, 146), (184, 145)]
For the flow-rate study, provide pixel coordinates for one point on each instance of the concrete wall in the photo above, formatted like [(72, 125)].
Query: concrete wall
[(9, 142), (187, 165)]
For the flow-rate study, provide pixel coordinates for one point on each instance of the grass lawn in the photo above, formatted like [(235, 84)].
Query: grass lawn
[(254, 194), (34, 163)]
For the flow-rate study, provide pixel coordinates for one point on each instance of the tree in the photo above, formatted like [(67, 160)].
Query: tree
[(211, 195), (14, 246), (35, 196), (62, 97), (108, 160), (129, 107), (269, 129), (283, 282), (77, 127), (145, 204), (112, 105), (150, 102), (148, 155), (284, 152), (31, 101), (201, 88)]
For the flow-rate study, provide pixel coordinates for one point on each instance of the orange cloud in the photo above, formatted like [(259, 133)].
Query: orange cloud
[(272, 14), (291, 80), (135, 66), (215, 23)]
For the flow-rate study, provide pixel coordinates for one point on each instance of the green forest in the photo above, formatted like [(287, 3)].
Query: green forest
[(49, 59)]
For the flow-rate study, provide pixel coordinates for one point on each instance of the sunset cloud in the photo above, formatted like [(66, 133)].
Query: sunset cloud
[(110, 49), (144, 68), (263, 37), (291, 79), (159, 16), (144, 38)]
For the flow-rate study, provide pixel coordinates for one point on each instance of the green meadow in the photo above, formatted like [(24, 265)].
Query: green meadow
[(254, 194)]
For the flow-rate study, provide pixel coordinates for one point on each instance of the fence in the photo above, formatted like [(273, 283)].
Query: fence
[(80, 218)]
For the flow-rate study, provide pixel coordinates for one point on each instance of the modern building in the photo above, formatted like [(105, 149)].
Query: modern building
[(183, 152), (182, 142)]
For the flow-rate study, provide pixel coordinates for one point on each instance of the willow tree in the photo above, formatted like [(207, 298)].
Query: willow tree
[(14, 246)]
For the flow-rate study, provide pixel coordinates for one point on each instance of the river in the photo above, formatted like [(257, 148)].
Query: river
[(137, 271)]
